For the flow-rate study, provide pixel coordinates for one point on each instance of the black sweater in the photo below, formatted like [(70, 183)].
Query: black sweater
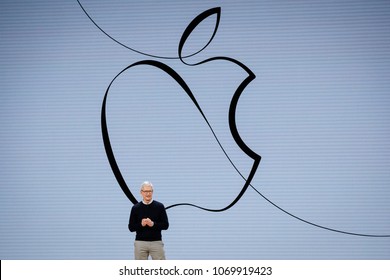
[(154, 211)]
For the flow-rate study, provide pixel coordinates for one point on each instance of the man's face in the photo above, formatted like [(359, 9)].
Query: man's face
[(147, 193)]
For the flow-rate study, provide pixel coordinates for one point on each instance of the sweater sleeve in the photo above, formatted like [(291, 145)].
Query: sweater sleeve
[(162, 222), (134, 224)]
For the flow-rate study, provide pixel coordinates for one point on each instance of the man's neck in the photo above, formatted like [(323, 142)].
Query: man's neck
[(147, 202)]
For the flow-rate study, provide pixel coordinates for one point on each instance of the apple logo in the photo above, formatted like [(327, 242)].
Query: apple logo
[(183, 85), (250, 76)]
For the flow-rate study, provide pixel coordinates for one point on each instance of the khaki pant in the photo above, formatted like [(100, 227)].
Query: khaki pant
[(142, 250)]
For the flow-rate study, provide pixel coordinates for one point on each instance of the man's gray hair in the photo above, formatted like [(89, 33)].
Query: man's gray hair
[(146, 183)]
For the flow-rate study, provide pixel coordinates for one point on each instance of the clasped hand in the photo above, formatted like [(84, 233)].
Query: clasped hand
[(147, 222)]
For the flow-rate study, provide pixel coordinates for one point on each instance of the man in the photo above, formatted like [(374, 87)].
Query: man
[(147, 218)]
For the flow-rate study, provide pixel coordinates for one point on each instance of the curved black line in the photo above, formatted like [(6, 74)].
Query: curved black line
[(193, 24), (232, 121), (183, 84), (233, 130), (313, 224), (233, 104), (108, 147), (127, 47)]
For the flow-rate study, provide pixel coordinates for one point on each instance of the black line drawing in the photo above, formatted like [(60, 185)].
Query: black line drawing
[(173, 74), (232, 121)]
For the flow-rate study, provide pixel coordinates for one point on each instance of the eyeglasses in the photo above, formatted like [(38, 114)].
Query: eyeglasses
[(147, 191)]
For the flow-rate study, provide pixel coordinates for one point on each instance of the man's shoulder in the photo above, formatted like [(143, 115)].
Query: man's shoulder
[(158, 204), (137, 205), (154, 203)]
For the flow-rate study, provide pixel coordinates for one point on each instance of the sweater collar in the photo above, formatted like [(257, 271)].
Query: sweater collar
[(147, 203)]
